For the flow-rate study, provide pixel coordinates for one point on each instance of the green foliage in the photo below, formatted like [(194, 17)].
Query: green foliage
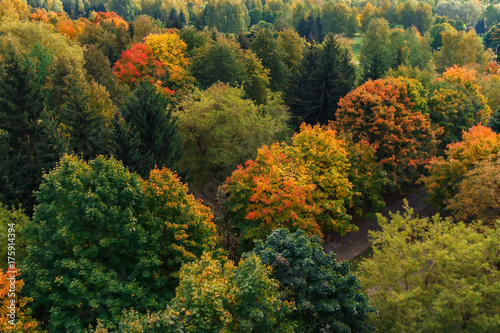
[(327, 74), (433, 275), (31, 142), (148, 117), (229, 16), (265, 45), (102, 240), (221, 129), (216, 297), (375, 54), (327, 296), (224, 60)]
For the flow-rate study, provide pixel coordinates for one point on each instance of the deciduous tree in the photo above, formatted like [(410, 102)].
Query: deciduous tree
[(431, 274), (388, 114)]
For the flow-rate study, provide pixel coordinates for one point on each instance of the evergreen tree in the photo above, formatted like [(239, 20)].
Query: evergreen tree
[(327, 74), (30, 132), (85, 125), (149, 115)]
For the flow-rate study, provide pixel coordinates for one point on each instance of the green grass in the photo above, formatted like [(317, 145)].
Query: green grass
[(356, 46)]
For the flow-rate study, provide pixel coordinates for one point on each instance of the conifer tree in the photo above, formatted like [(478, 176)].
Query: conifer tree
[(29, 128), (149, 115), (327, 74)]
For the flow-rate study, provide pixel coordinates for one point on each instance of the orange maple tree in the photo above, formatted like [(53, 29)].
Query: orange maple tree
[(23, 321), (387, 114), (446, 173)]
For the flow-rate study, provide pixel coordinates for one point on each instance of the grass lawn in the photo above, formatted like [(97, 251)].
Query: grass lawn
[(356, 46)]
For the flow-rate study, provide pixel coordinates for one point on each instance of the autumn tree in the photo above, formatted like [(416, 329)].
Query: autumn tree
[(327, 296), (446, 173), (148, 116), (460, 48), (303, 186), (23, 321), (327, 74), (431, 274), (477, 197), (457, 103), (240, 298), (127, 236), (388, 114)]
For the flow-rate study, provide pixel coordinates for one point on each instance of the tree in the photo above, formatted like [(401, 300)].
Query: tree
[(457, 103), (492, 40), (139, 64), (431, 274), (221, 129), (375, 55), (225, 61), (304, 186), (265, 45), (238, 298), (445, 174), (435, 34), (409, 48), (227, 16), (460, 48), (388, 114), (23, 322), (477, 196), (327, 296), (327, 74), (102, 240), (26, 119), (149, 117)]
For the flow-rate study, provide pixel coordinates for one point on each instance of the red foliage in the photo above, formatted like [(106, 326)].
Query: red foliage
[(138, 63)]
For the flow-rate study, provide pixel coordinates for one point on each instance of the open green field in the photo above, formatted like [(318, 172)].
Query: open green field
[(356, 46)]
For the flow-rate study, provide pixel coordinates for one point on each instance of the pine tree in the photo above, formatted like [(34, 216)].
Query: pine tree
[(86, 126), (327, 74), (149, 115), (30, 131)]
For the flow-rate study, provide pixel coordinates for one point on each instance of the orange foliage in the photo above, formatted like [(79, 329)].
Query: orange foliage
[(385, 114), (112, 17), (478, 144), (269, 193), (23, 322), (71, 28)]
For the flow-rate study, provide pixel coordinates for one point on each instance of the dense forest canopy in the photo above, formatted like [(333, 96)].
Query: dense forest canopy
[(182, 165)]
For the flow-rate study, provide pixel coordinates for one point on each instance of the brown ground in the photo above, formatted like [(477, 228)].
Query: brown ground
[(352, 244)]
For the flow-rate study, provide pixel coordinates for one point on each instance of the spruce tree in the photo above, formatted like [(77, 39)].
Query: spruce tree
[(149, 117), (30, 129), (327, 74)]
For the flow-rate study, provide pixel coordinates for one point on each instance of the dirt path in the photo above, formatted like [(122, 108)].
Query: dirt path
[(352, 244)]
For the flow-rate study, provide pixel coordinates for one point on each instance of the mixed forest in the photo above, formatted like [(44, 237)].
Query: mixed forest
[(177, 165)]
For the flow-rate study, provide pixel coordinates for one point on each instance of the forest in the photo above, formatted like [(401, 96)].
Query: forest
[(179, 165)]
